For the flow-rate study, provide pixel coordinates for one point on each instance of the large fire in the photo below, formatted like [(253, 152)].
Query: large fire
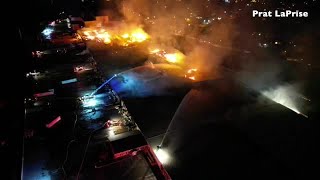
[(125, 35), (105, 37), (175, 57), (136, 35)]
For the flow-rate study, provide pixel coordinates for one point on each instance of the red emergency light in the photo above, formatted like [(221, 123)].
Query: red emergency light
[(52, 123), (49, 93)]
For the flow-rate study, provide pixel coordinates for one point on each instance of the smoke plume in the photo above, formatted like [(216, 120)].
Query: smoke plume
[(175, 25)]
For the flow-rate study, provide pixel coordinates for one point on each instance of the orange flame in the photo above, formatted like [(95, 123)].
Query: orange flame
[(192, 70), (176, 57), (136, 35), (190, 74)]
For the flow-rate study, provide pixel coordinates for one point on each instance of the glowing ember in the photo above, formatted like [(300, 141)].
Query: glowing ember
[(192, 70), (191, 74), (153, 51)]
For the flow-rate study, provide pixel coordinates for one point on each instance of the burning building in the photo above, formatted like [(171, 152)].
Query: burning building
[(113, 33)]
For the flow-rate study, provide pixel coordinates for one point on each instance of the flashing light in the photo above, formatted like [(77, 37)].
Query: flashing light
[(69, 81), (90, 103), (49, 93), (47, 32), (43, 94), (32, 74), (86, 67), (162, 155), (89, 100), (52, 123)]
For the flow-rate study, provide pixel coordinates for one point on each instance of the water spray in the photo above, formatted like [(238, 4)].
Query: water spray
[(106, 82), (170, 124), (281, 95)]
